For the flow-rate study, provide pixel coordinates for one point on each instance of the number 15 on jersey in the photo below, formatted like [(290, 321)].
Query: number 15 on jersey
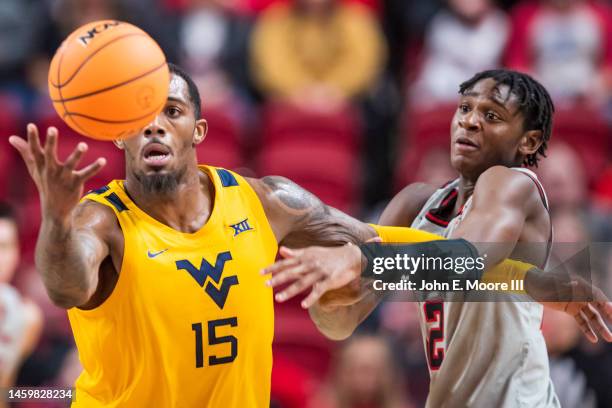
[(214, 339)]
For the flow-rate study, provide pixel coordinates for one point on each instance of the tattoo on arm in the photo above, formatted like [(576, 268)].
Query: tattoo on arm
[(311, 221), (67, 258)]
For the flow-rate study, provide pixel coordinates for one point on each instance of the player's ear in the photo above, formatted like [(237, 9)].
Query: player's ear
[(119, 143), (531, 142), (200, 131)]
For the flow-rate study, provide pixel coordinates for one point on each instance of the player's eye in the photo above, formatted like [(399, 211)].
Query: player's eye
[(172, 111), (464, 108), (492, 116)]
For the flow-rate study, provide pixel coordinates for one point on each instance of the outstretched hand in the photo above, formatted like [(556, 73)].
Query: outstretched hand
[(572, 294), (592, 314), (333, 273), (59, 184)]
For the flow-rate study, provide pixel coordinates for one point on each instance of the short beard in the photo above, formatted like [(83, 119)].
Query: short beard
[(160, 184)]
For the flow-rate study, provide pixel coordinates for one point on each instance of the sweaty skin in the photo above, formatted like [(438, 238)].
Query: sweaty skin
[(487, 138)]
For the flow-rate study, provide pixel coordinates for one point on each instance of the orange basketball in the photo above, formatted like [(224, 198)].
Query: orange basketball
[(108, 79)]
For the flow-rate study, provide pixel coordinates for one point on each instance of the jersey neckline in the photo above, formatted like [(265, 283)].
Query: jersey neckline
[(211, 223)]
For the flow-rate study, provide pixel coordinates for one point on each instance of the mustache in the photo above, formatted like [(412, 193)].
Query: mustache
[(155, 139)]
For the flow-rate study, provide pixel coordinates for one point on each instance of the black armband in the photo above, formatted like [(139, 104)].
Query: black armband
[(441, 261)]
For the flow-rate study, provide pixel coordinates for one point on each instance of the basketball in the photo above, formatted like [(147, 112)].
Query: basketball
[(108, 79)]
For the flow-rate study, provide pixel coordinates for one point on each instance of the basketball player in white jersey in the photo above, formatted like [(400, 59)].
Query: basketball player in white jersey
[(480, 354), (20, 319)]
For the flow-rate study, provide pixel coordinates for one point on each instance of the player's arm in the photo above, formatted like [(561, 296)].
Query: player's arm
[(504, 225), (300, 219), (338, 319), (339, 299), (73, 238), (502, 202), (326, 311), (502, 212)]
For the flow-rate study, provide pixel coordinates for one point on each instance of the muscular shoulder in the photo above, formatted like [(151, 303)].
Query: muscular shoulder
[(406, 205), (500, 184), (299, 218), (90, 216), (285, 203), (91, 213), (276, 191)]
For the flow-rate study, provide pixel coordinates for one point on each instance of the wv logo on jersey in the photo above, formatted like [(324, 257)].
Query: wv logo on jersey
[(241, 227), (218, 295)]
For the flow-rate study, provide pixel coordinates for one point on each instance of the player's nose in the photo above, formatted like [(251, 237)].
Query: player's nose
[(155, 128), (470, 121)]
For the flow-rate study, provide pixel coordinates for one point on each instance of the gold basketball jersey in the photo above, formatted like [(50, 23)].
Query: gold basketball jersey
[(190, 321)]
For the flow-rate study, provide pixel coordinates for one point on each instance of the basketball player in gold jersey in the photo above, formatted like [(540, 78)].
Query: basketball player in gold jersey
[(159, 272)]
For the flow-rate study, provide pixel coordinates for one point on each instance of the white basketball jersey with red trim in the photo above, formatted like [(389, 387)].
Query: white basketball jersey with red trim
[(482, 354)]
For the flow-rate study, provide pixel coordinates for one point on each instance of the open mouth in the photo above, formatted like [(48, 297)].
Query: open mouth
[(156, 154)]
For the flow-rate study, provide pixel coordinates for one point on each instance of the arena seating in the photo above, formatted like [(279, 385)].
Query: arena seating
[(222, 146), (422, 131), (302, 355), (586, 131), (283, 122), (319, 152), (10, 118)]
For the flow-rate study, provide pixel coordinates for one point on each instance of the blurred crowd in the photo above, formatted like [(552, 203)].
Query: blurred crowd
[(352, 99)]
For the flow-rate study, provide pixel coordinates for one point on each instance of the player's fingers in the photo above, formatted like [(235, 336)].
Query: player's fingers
[(583, 323), (75, 157), (24, 151), (280, 266), (35, 147), (606, 309), (602, 304), (297, 287), (318, 289), (290, 253), (597, 322), (289, 274), (91, 170), (51, 145), (374, 239)]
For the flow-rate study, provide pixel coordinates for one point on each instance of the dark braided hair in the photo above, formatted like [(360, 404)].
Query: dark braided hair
[(534, 103)]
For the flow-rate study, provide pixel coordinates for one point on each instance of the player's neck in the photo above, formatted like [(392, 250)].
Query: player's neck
[(186, 209), (465, 190)]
